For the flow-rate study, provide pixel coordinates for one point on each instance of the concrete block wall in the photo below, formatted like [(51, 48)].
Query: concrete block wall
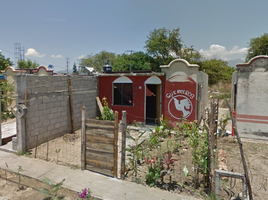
[(48, 108)]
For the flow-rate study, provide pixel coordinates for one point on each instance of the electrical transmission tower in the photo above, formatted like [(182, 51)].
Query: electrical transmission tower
[(67, 61), (18, 55)]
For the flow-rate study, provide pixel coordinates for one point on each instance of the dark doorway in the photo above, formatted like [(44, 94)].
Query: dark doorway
[(152, 104)]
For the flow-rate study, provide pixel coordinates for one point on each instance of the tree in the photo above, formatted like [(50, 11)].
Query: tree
[(163, 43), (98, 60), (190, 54), (257, 46), (22, 64), (138, 61), (4, 62), (75, 69), (216, 70)]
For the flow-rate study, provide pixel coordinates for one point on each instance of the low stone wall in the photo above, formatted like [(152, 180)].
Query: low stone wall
[(48, 107)]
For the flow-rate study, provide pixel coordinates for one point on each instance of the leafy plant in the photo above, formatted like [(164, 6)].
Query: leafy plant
[(53, 188), (57, 152), (200, 151), (166, 163), (185, 171), (20, 176), (224, 121), (6, 99), (153, 170), (85, 194), (154, 140), (135, 152), (108, 113)]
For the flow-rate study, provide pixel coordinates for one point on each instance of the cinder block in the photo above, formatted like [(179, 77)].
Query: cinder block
[(46, 123), (46, 112), (51, 116), (46, 99), (44, 130), (37, 113), (50, 105), (38, 125), (42, 107), (57, 125), (57, 104), (54, 110), (51, 127)]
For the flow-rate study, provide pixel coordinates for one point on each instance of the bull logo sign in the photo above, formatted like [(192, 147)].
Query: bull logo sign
[(180, 98)]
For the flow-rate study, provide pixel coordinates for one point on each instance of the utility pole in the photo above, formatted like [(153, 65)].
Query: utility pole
[(131, 51)]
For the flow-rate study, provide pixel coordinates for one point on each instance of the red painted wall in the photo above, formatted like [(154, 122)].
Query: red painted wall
[(135, 112), (180, 99)]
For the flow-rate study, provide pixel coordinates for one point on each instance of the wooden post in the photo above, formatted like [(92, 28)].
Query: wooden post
[(83, 140), (211, 155), (47, 148), (123, 151), (36, 139), (242, 153), (100, 105), (115, 143), (71, 103)]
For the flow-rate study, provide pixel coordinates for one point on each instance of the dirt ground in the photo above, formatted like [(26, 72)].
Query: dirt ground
[(256, 152), (29, 188)]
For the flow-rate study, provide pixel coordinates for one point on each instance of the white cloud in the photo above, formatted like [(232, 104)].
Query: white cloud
[(32, 52), (56, 56), (216, 51), (80, 57)]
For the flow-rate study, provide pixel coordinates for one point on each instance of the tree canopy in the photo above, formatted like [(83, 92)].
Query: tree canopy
[(257, 46), (162, 46), (190, 54), (4, 62), (98, 60), (137, 61), (22, 64), (163, 43), (216, 70)]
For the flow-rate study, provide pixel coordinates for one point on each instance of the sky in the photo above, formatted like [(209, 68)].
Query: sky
[(50, 31)]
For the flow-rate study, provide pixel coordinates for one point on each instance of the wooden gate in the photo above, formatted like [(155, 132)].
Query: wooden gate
[(99, 145)]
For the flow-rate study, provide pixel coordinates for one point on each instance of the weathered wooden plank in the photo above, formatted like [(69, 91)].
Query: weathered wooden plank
[(123, 150), (101, 122), (98, 139), (100, 105), (100, 156), (98, 126), (83, 139), (99, 164), (99, 151), (100, 133), (101, 171), (100, 147)]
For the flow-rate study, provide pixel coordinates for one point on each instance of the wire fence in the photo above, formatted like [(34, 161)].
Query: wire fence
[(256, 160), (64, 150)]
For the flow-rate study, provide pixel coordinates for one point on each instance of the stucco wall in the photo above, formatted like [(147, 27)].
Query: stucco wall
[(252, 97)]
